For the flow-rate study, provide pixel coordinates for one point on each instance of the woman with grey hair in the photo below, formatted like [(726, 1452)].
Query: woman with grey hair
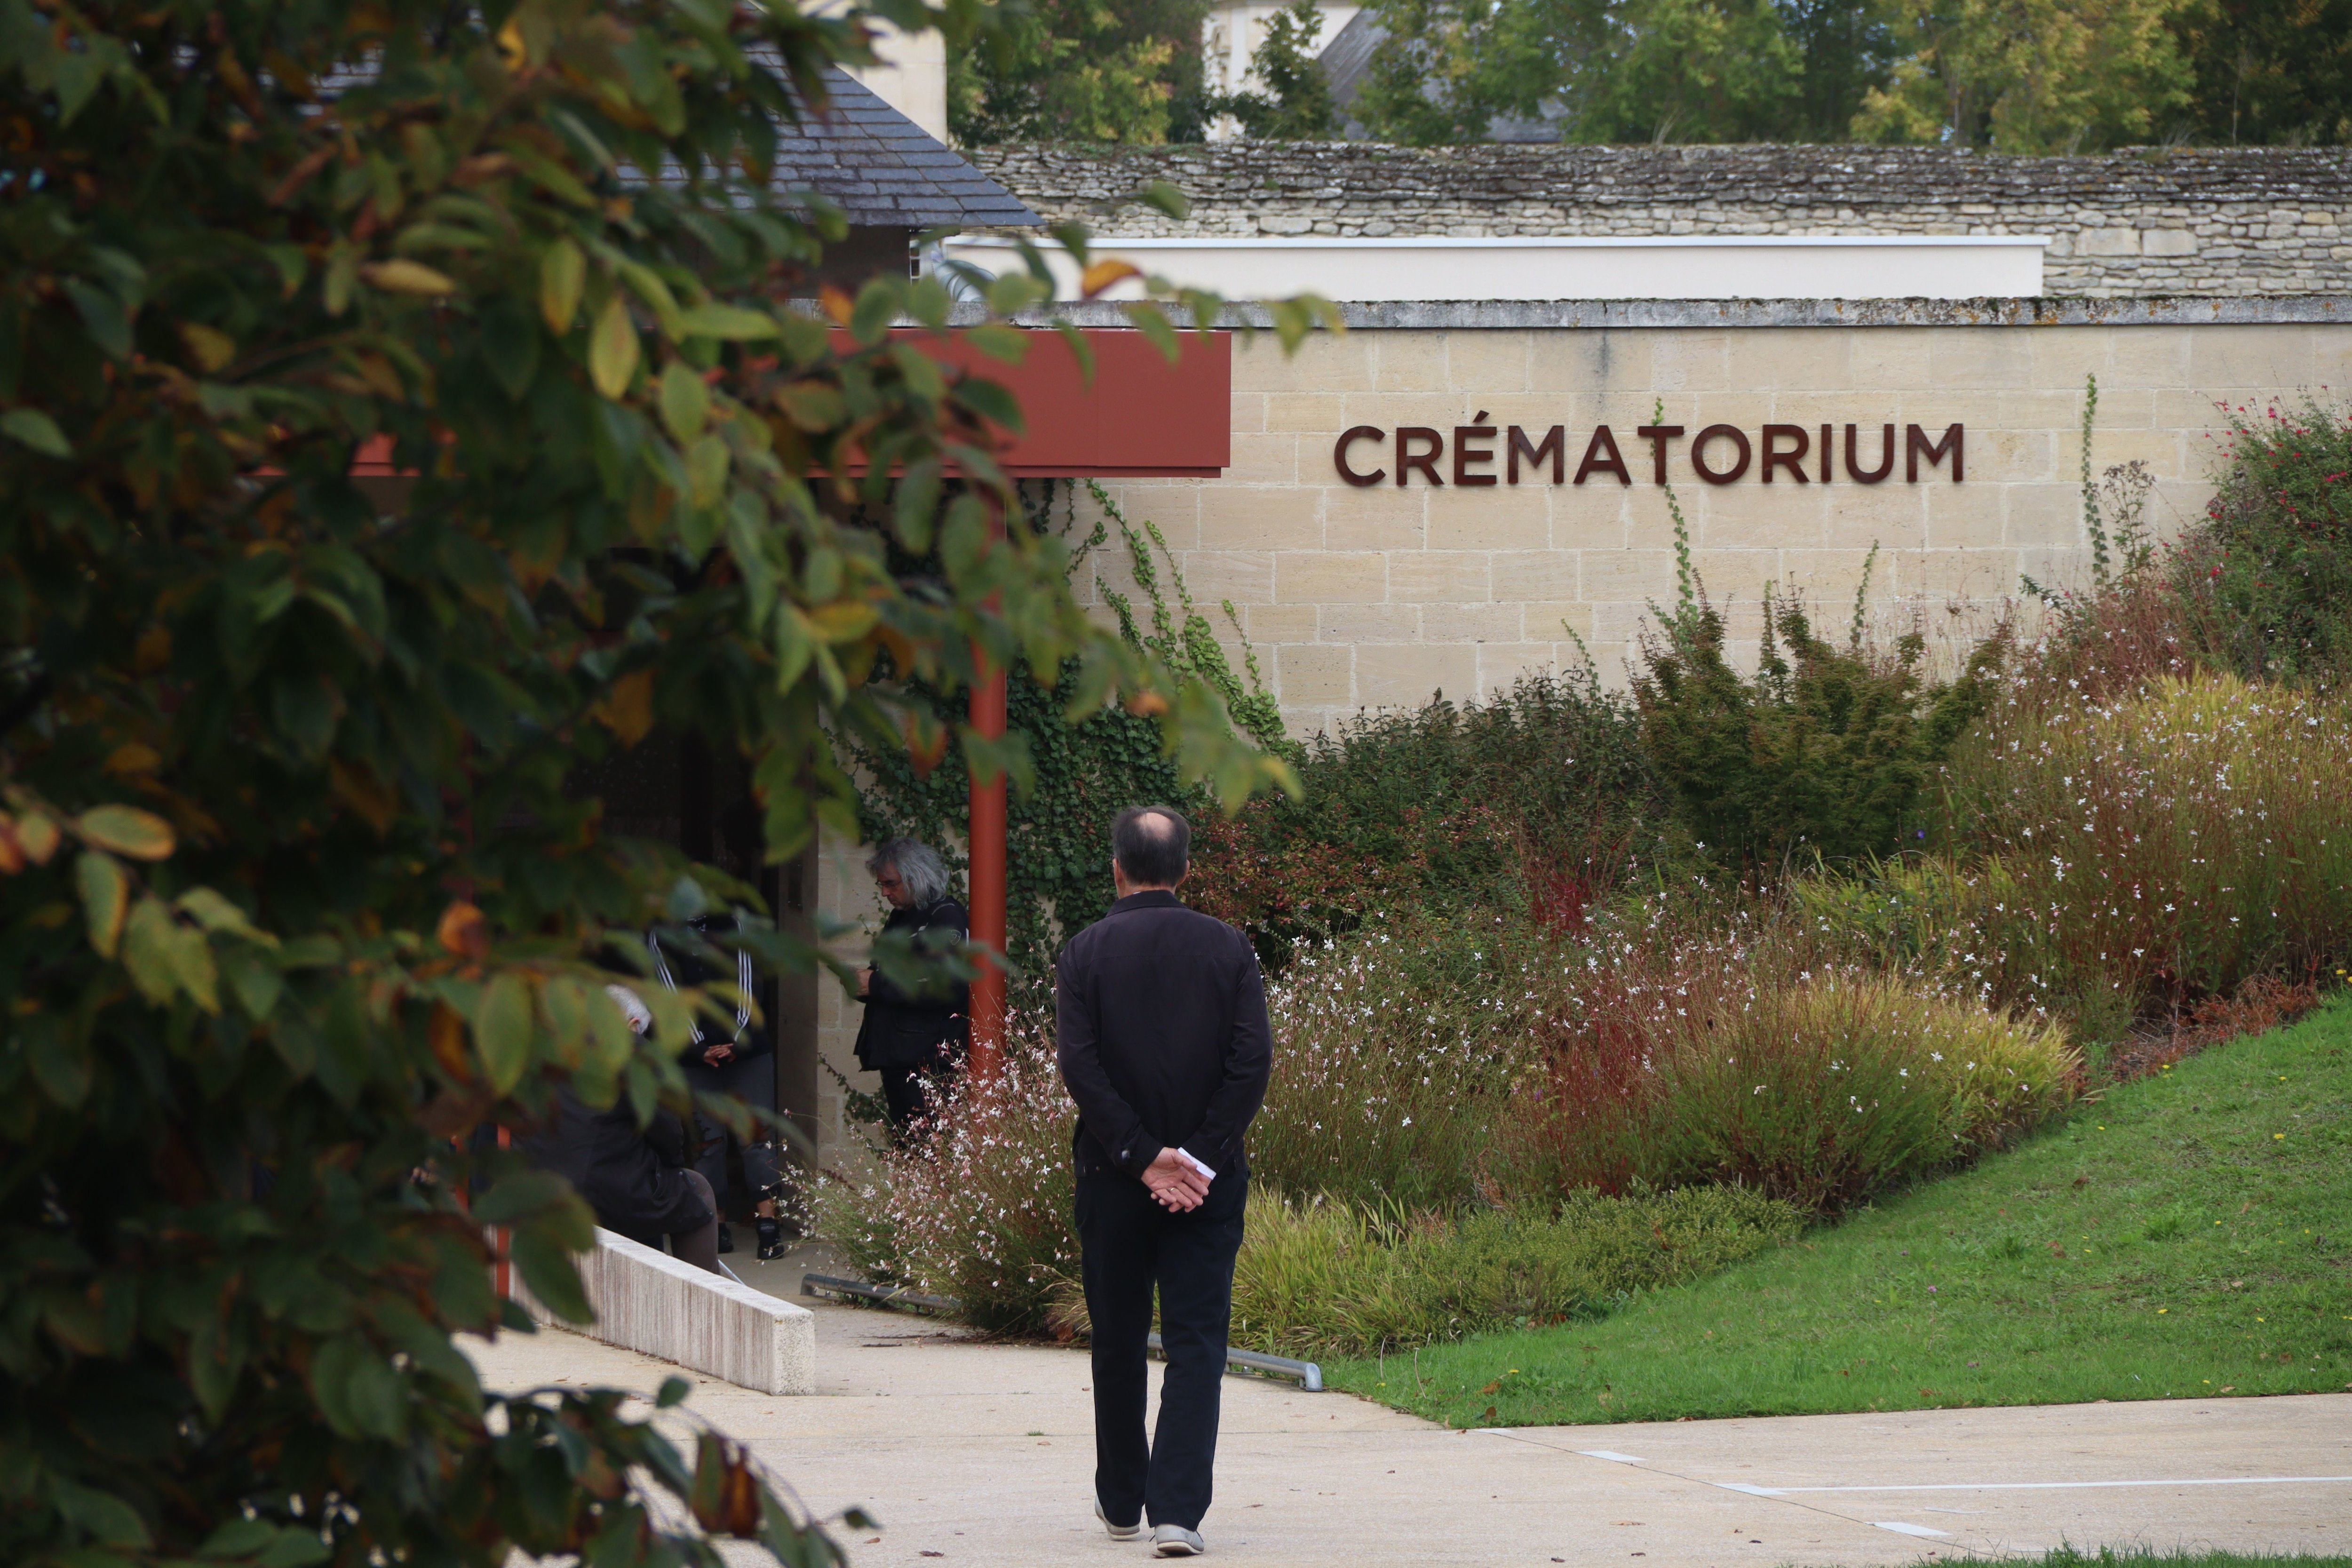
[(913, 1039)]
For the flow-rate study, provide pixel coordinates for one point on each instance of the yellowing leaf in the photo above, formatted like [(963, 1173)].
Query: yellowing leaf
[(844, 620), (563, 271), (685, 401), (462, 931), (627, 707), (133, 758), (565, 1003), (402, 276), (502, 1030), (732, 324), (39, 836), (211, 347), (105, 893), (613, 349), (445, 1031), (126, 830), (148, 939), (1105, 273), (705, 470), (214, 912), (359, 789)]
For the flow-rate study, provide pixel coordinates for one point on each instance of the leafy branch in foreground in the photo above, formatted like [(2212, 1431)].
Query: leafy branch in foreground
[(301, 890)]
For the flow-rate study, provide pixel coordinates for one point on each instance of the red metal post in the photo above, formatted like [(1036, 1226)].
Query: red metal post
[(987, 911)]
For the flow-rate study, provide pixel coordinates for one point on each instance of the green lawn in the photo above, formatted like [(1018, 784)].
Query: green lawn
[(2067, 1557), (2189, 1234)]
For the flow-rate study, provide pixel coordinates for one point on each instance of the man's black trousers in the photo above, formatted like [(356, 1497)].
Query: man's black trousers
[(1130, 1245)]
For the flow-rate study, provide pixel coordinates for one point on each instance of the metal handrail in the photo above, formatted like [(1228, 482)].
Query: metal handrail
[(1309, 1375)]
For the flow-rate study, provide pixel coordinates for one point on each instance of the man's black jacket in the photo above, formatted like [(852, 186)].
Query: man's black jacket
[(1161, 1016)]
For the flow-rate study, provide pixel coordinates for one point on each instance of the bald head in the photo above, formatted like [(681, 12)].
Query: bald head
[(1152, 845)]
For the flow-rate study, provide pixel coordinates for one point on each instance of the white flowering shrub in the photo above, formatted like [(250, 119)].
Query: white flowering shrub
[(978, 1207)]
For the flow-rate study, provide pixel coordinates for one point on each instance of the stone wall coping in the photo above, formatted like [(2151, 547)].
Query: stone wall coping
[(1107, 242), (1598, 315)]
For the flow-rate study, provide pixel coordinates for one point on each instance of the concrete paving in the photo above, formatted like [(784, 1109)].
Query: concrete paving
[(982, 1454)]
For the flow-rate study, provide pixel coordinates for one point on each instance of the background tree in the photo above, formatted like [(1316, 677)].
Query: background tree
[(2270, 71), (1294, 100), (299, 892), (2034, 76), (1081, 70)]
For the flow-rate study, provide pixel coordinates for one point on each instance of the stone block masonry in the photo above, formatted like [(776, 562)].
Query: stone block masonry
[(1355, 591), (2153, 221)]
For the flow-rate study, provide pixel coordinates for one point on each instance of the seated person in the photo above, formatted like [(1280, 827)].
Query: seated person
[(634, 1178)]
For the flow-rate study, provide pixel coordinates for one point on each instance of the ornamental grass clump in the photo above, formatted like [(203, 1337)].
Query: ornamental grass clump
[(1326, 1279), (1395, 1052), (2162, 845), (1733, 1056)]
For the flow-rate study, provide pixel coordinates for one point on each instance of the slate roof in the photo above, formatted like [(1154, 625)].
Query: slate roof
[(884, 169)]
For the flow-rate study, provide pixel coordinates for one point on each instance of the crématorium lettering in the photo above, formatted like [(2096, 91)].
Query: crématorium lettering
[(1369, 455)]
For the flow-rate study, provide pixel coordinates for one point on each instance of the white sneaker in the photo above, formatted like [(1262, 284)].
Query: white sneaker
[(1117, 1531), (1175, 1540)]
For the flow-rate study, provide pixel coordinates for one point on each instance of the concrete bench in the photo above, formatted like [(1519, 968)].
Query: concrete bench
[(648, 1301)]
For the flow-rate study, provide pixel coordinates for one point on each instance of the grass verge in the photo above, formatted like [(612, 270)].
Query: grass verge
[(2188, 1233), (2107, 1557)]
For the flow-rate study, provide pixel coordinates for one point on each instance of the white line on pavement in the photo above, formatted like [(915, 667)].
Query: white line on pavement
[(2036, 1486), (1901, 1529), (1612, 1455)]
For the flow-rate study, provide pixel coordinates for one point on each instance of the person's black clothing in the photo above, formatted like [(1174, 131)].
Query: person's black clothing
[(1161, 1016), (907, 1095), (1129, 1243), (748, 1073), (915, 1038), (753, 1081), (928, 1029), (632, 1179)]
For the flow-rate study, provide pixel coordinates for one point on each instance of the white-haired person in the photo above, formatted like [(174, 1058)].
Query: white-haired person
[(913, 1039)]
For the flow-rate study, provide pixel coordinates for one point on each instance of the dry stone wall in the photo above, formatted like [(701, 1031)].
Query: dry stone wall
[(2141, 222)]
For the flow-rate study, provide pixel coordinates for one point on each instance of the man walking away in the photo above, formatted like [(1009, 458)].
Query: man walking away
[(1164, 1045)]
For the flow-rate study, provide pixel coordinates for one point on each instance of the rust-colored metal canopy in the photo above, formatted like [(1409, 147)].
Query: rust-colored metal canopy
[(1139, 417)]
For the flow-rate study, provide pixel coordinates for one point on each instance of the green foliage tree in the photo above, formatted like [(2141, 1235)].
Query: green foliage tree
[(1081, 70), (1625, 70), (1296, 105), (298, 897), (2270, 71), (2032, 76), (1693, 70)]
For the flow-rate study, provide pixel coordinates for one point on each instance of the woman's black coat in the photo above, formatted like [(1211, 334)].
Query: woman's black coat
[(928, 1030)]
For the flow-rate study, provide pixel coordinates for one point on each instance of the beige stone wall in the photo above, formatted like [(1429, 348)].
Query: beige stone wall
[(844, 897), (1354, 598)]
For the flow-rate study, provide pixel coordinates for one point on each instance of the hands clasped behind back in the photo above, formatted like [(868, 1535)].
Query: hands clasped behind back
[(1176, 1182)]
